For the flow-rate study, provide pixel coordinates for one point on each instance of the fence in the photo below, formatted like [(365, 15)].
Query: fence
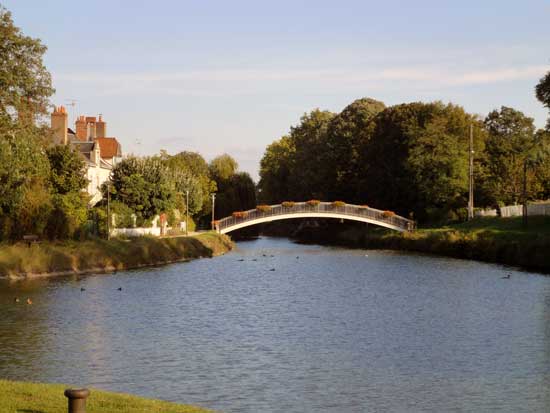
[(320, 208), (540, 208)]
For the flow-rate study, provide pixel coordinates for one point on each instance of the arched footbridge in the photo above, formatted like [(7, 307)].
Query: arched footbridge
[(291, 210)]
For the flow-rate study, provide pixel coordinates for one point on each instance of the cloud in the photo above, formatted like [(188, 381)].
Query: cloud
[(212, 83)]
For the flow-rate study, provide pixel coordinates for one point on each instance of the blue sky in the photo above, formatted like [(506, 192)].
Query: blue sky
[(220, 76)]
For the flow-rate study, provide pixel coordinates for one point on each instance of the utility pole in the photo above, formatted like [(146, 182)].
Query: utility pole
[(525, 193), (471, 176), (186, 212), (108, 211), (213, 205)]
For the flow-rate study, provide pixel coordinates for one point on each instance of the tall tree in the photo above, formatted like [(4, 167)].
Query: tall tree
[(222, 167), (276, 168), (25, 84), (418, 160), (511, 141), (349, 133), (542, 91)]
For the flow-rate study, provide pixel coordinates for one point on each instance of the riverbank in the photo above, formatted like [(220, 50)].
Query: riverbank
[(498, 240), (93, 256), (48, 398)]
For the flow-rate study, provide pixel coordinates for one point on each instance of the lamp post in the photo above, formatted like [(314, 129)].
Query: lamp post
[(213, 209), (186, 212)]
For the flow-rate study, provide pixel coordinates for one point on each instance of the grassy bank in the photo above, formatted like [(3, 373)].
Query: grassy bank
[(103, 255), (500, 240), (48, 398)]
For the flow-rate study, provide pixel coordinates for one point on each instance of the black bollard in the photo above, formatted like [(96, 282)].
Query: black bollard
[(77, 400)]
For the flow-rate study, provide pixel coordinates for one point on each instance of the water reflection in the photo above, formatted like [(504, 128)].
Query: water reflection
[(333, 330)]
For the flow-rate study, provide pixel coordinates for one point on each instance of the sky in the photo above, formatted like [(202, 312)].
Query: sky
[(232, 76)]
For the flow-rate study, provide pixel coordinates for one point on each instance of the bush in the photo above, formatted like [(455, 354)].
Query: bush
[(240, 214), (363, 206), (388, 214), (263, 208), (288, 204), (337, 204), (313, 202), (123, 215)]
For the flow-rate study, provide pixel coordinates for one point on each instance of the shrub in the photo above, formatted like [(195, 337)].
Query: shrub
[(263, 208), (336, 204), (240, 214), (288, 204), (363, 206), (313, 202), (388, 214)]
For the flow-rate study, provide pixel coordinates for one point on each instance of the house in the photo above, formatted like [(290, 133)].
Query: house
[(100, 153)]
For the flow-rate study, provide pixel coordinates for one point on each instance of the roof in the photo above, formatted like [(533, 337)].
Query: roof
[(109, 148)]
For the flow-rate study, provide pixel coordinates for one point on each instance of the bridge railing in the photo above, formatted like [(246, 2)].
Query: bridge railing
[(321, 208)]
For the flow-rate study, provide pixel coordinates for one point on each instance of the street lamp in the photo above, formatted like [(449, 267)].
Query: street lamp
[(213, 206), (186, 212)]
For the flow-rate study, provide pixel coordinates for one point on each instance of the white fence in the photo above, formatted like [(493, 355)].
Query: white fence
[(542, 208)]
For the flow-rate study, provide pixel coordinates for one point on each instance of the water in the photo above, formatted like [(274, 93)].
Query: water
[(330, 330)]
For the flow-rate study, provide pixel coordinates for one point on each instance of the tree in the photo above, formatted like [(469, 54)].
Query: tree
[(349, 133), (190, 172), (511, 140), (418, 160), (25, 84), (310, 171), (143, 184), (276, 167), (67, 169), (222, 167), (542, 91)]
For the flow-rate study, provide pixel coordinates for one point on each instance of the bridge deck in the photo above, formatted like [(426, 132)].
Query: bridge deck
[(322, 210)]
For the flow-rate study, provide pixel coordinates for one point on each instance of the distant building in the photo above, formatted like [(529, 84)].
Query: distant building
[(100, 153)]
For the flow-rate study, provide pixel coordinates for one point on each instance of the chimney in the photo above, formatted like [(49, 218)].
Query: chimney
[(59, 124), (100, 128), (90, 125), (81, 128)]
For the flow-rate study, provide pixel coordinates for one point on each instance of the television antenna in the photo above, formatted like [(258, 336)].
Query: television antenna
[(72, 104)]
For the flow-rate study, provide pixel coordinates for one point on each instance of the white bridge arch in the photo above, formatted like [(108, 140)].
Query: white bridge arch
[(307, 210)]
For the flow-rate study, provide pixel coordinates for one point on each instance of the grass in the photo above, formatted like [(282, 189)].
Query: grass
[(102, 255), (501, 240), (22, 397)]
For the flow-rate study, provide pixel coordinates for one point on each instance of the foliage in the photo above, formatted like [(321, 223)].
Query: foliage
[(288, 204), (240, 214), (512, 142), (338, 204), (144, 185), (223, 167), (237, 193), (313, 202), (276, 169), (67, 169), (263, 208), (25, 84), (542, 92), (189, 172), (388, 214)]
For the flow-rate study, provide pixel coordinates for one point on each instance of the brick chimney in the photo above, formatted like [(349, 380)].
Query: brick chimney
[(81, 128), (59, 124), (100, 128)]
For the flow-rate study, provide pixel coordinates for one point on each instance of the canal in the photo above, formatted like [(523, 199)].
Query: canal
[(281, 327)]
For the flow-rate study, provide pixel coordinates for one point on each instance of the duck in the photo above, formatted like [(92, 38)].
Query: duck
[(82, 289), (507, 277), (273, 269), (16, 300), (29, 301), (119, 288)]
